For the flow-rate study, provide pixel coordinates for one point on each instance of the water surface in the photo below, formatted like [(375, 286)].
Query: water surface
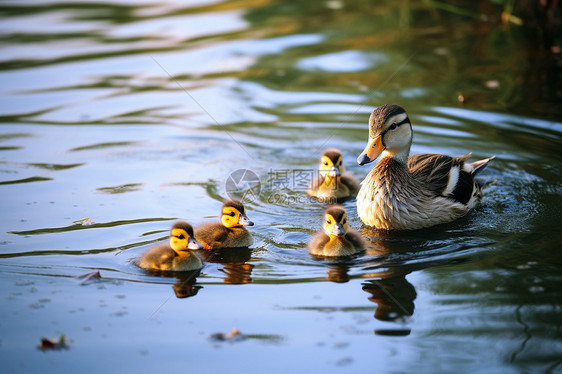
[(118, 118)]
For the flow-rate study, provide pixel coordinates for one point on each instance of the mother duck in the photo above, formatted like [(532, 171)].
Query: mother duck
[(405, 192)]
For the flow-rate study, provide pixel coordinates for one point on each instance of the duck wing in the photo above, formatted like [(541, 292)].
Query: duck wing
[(211, 235), (356, 239), (317, 243), (443, 175), (447, 176)]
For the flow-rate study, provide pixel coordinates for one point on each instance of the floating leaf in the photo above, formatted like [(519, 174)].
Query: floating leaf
[(84, 222), (232, 336), (93, 276), (53, 344)]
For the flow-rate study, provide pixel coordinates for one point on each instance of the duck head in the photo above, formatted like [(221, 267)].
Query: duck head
[(234, 215), (390, 131), (331, 164), (181, 237), (335, 222)]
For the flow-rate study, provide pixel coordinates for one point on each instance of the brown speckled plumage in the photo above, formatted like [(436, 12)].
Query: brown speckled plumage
[(418, 191), (215, 235)]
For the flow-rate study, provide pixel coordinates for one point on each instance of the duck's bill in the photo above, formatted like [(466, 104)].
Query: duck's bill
[(193, 244), (244, 221), (373, 150), (338, 229), (334, 172)]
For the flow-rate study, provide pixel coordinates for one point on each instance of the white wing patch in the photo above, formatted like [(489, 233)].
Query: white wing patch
[(453, 180)]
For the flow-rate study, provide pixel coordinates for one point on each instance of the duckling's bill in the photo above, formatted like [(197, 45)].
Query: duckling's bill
[(335, 227), (193, 244), (334, 172), (372, 151), (338, 230), (245, 221)]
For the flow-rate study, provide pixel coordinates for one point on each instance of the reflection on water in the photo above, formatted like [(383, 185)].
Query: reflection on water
[(120, 117), (236, 268)]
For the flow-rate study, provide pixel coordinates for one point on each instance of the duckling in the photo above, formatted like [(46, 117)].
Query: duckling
[(411, 192), (230, 231), (332, 184), (337, 238), (175, 255)]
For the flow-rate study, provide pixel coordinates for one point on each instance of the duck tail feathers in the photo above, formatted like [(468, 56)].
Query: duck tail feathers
[(480, 165)]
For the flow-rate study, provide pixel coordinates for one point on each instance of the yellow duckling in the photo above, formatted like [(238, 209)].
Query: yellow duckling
[(230, 231), (337, 238), (412, 192), (175, 255), (332, 184)]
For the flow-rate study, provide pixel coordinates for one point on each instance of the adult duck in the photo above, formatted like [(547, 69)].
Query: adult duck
[(405, 192)]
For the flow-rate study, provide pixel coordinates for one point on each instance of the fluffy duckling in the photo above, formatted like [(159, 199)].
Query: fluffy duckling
[(337, 238), (412, 192), (230, 231), (175, 255), (332, 184)]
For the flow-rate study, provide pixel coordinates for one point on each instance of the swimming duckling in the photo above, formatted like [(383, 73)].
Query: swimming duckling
[(230, 231), (336, 238), (332, 185), (175, 255), (412, 192)]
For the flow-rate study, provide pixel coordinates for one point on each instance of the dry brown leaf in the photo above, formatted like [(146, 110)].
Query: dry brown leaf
[(53, 343), (232, 336), (92, 276)]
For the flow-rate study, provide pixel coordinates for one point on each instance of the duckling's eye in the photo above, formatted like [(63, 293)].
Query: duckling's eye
[(326, 163), (232, 214), (392, 127), (344, 221), (180, 236), (329, 222)]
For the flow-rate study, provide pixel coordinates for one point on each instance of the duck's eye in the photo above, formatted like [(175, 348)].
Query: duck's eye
[(344, 221), (392, 127), (232, 214), (328, 222), (326, 163), (180, 236)]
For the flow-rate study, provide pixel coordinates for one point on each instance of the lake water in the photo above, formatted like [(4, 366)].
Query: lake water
[(117, 118)]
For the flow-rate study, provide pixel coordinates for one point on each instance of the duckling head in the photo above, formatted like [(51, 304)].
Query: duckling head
[(234, 215), (181, 237), (390, 131), (335, 222), (331, 164)]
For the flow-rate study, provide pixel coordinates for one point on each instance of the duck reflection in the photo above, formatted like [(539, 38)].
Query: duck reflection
[(394, 297), (236, 268), (338, 273), (389, 288), (185, 284)]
